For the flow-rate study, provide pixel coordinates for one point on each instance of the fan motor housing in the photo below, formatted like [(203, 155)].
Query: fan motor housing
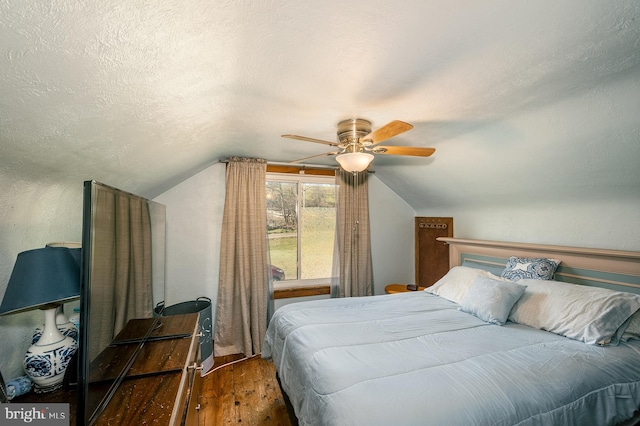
[(349, 131)]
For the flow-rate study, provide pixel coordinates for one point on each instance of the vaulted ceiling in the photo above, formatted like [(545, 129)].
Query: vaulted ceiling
[(521, 99)]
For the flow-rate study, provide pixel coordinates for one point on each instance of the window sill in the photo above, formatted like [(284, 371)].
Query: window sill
[(316, 290)]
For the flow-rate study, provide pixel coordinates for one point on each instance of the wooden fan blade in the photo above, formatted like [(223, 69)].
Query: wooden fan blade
[(326, 154), (387, 131), (304, 138), (404, 150)]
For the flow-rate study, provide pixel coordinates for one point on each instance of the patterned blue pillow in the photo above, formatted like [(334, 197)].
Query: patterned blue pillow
[(530, 268)]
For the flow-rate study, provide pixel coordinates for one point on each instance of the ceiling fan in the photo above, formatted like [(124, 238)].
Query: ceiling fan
[(357, 143)]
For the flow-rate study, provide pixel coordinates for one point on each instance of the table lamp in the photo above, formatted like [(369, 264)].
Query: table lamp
[(44, 279)]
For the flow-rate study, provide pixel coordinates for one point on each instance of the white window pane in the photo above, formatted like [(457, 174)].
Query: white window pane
[(317, 232)]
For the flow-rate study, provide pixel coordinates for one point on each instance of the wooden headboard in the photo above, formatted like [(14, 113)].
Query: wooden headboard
[(614, 269)]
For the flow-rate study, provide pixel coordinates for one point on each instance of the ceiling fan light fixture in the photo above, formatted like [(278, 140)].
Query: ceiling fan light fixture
[(354, 161), (356, 143)]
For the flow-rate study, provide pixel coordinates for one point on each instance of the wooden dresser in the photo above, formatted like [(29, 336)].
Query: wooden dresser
[(162, 385)]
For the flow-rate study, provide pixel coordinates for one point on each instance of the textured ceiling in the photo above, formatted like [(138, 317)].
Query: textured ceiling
[(520, 98)]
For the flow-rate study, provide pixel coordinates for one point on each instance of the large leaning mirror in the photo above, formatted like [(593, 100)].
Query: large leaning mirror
[(123, 279)]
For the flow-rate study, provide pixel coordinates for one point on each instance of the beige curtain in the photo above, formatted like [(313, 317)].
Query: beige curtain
[(120, 268), (352, 257), (241, 311)]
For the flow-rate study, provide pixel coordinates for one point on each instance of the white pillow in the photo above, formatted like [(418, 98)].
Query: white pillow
[(458, 281), (592, 315), (491, 300)]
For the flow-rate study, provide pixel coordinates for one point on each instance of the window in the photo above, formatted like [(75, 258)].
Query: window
[(301, 219)]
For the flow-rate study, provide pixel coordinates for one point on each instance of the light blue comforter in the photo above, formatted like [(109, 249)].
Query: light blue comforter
[(414, 359)]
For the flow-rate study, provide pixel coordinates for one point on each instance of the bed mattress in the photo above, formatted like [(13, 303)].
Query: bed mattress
[(414, 358)]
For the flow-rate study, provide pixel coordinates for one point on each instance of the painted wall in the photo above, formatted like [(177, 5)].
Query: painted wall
[(194, 220), (392, 237), (601, 223)]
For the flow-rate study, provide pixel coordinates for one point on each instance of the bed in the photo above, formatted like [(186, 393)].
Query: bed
[(476, 348)]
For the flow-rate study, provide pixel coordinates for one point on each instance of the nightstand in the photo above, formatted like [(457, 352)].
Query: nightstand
[(399, 288)]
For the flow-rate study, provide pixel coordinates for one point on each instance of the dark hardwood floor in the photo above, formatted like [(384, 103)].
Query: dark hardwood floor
[(245, 392)]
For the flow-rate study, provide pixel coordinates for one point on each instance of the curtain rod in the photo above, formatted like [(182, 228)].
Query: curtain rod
[(276, 163), (301, 165)]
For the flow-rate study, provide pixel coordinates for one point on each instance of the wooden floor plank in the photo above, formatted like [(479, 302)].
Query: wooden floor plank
[(247, 406), (242, 392), (273, 400)]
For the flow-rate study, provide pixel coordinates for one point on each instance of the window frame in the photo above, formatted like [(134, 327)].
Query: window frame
[(301, 287)]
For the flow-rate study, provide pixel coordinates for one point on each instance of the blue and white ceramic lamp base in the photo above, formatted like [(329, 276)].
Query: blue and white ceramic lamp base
[(66, 326), (47, 359)]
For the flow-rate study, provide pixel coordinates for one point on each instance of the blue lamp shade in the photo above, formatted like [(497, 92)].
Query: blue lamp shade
[(42, 276)]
